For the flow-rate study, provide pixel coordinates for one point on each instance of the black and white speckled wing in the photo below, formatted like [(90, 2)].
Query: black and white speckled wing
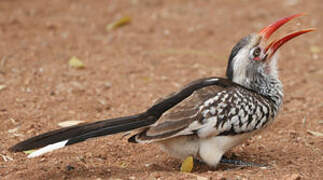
[(222, 109), (235, 111)]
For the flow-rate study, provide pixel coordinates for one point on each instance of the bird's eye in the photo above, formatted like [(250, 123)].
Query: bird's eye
[(256, 52)]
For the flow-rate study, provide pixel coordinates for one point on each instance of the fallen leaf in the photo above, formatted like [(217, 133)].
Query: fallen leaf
[(315, 49), (187, 164), (121, 22), (2, 87), (29, 151), (318, 134), (107, 85), (123, 165), (69, 123), (76, 63), (146, 79), (13, 130)]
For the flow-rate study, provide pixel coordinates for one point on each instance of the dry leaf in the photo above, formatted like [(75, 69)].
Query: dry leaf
[(315, 49), (2, 87), (318, 134), (146, 79), (187, 164), (76, 63), (123, 165), (69, 123), (13, 130), (121, 22)]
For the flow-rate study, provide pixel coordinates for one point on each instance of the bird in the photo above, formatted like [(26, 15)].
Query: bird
[(204, 119)]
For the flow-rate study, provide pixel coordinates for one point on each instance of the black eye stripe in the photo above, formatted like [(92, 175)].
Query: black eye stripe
[(235, 50)]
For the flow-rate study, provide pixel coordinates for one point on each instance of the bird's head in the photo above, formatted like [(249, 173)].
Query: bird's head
[(253, 59)]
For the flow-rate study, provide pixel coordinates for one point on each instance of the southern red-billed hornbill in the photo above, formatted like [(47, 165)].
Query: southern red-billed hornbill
[(204, 119)]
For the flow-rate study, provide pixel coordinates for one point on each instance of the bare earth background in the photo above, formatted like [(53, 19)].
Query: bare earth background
[(168, 44)]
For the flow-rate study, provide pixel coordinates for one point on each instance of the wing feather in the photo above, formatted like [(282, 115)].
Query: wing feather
[(209, 111), (182, 119)]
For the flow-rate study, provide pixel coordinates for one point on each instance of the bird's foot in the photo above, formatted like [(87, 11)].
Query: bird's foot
[(198, 161), (241, 163)]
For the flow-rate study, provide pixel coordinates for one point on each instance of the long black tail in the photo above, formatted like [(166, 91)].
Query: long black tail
[(82, 132), (66, 136)]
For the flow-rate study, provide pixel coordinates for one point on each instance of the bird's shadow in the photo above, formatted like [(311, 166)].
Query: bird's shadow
[(201, 167), (167, 165), (90, 173)]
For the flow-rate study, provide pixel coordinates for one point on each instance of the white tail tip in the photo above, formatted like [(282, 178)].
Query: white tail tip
[(47, 149)]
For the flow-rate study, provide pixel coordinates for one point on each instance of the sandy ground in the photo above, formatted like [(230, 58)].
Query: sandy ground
[(168, 44)]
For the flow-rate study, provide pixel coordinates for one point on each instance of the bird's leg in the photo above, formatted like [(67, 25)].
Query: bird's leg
[(198, 161), (240, 163)]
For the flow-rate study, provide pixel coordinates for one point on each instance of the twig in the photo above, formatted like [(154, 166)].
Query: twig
[(6, 158)]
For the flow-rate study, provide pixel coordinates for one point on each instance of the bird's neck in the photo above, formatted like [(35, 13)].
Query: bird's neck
[(268, 86)]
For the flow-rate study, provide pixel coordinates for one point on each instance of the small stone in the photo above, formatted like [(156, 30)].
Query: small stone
[(315, 56), (107, 85), (102, 101), (69, 168), (166, 32), (293, 177), (201, 178)]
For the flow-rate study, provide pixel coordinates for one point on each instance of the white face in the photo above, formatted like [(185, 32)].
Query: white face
[(240, 64), (251, 61)]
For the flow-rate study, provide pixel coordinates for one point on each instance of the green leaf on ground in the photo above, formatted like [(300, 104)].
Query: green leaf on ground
[(76, 63), (187, 164)]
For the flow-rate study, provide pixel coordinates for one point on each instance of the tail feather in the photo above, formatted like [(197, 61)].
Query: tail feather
[(48, 148), (66, 136), (114, 129), (82, 132)]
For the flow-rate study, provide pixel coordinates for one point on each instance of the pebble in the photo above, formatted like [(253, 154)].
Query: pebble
[(292, 177), (69, 168)]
